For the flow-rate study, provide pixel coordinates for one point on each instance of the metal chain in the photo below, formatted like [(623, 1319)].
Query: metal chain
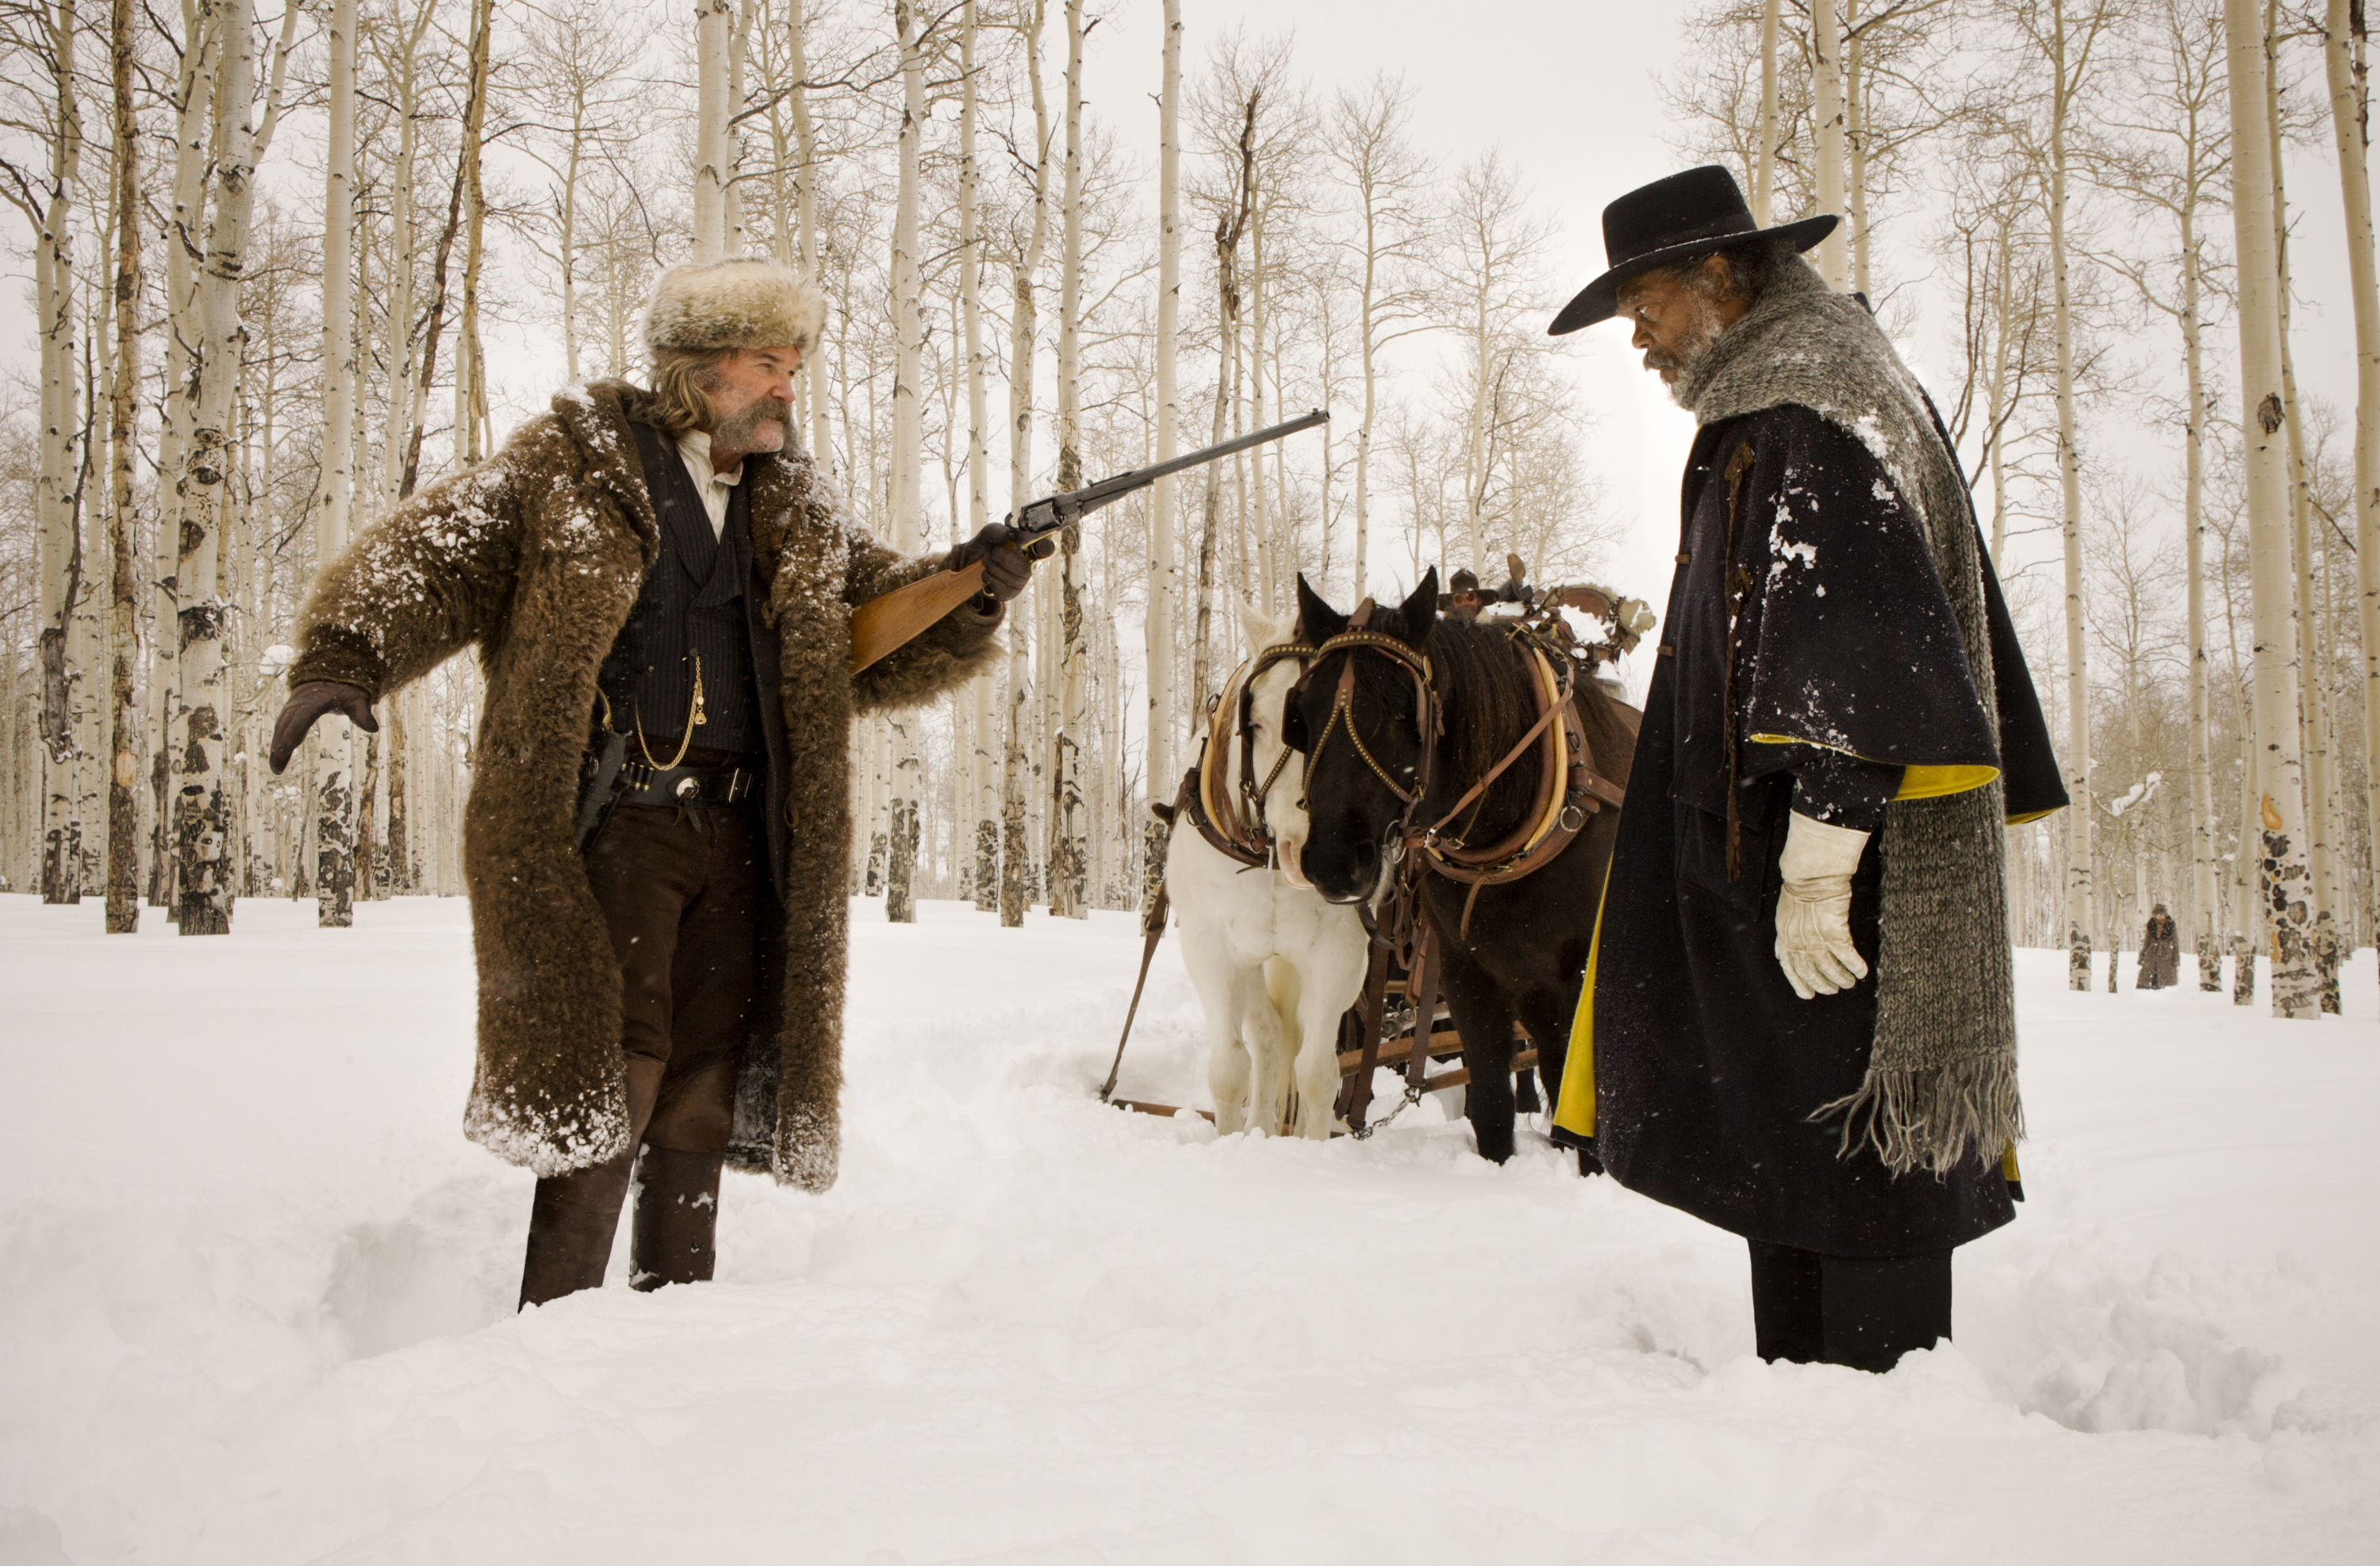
[(1413, 1097)]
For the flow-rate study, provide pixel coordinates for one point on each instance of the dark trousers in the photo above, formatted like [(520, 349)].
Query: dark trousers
[(681, 892), (1861, 1311)]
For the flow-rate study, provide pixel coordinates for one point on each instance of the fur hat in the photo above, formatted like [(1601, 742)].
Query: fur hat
[(742, 303)]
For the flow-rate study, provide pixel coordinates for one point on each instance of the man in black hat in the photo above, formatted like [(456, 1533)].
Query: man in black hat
[(1801, 1025)]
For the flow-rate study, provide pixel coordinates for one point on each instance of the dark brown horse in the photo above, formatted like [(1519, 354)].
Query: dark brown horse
[(1521, 953)]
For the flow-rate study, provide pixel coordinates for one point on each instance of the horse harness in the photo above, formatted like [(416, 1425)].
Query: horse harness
[(1570, 789), (1230, 819), (1229, 815)]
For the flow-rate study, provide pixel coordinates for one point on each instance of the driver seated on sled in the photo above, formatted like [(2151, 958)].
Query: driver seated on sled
[(666, 574), (1801, 1025)]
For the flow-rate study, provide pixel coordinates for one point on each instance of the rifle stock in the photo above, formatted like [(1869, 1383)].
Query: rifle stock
[(886, 622)]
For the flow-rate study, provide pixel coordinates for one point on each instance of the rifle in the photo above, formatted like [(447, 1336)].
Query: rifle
[(885, 622)]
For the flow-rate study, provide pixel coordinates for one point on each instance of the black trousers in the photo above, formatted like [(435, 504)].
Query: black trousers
[(1864, 1312), (681, 892)]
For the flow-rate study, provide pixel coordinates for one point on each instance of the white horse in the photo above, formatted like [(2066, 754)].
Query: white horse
[(1274, 965)]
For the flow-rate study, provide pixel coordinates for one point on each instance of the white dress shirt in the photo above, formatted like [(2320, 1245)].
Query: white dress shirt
[(694, 450)]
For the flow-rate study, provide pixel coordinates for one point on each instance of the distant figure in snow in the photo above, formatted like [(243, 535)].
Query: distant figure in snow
[(1789, 1034), (2160, 952), (658, 583), (1463, 599)]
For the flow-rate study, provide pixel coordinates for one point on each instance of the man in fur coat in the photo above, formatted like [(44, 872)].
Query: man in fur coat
[(1800, 1023), (665, 573)]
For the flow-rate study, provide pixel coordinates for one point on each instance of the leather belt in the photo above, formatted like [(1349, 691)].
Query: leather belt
[(685, 785)]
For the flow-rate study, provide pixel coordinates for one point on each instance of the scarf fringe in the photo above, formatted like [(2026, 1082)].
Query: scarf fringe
[(1931, 1117)]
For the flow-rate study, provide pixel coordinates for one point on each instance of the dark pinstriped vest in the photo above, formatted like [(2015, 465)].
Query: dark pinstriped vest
[(690, 607)]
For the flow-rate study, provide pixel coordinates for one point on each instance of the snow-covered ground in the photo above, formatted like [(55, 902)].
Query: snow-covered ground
[(255, 1299)]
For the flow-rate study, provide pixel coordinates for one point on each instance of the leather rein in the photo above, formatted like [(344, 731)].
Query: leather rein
[(1570, 788)]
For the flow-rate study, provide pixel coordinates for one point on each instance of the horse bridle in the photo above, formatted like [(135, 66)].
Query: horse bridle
[(1575, 797), (1231, 817), (1357, 638), (1252, 792)]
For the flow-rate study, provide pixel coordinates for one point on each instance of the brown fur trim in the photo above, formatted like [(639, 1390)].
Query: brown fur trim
[(535, 557)]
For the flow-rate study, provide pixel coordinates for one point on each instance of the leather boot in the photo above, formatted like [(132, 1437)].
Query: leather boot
[(570, 1229), (677, 1216)]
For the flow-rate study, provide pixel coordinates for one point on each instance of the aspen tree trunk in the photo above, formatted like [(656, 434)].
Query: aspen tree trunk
[(2312, 729), (805, 147), (1164, 574), (1764, 156), (983, 794), (1855, 101), (399, 880), (1014, 849), (739, 42), (2193, 526), (710, 33), (2069, 473), (124, 594), (63, 569), (1996, 401), (1256, 512), (335, 825), (1227, 299), (202, 814), (201, 51), (470, 360), (1827, 80), (2343, 56), (2283, 875), (1068, 847), (908, 772)]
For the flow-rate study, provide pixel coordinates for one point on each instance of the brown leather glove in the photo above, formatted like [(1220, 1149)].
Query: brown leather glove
[(308, 701), (1007, 563)]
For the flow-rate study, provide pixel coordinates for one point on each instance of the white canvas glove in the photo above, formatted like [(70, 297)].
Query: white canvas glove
[(1813, 911)]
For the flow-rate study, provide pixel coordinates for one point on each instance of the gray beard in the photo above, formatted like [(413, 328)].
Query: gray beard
[(735, 431), (1706, 332)]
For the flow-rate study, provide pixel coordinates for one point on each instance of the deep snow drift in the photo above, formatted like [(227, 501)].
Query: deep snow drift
[(255, 1299)]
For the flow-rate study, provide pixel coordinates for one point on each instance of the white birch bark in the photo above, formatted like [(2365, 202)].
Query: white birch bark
[(2278, 809), (1855, 141), (335, 826), (2350, 129), (2069, 473), (1164, 571), (2201, 771), (63, 570), (201, 818), (1826, 80), (712, 19), (983, 770), (899, 906), (1068, 849), (2312, 729), (805, 147), (1764, 156), (1014, 848), (124, 597)]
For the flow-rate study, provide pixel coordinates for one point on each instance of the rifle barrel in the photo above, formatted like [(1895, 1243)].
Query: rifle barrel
[(1092, 496)]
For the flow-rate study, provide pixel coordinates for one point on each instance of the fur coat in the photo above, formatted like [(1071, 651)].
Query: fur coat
[(534, 558)]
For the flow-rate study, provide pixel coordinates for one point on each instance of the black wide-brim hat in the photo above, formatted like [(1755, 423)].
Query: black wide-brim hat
[(1675, 220)]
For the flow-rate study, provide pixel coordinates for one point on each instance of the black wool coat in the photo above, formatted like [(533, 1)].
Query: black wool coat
[(1706, 1067)]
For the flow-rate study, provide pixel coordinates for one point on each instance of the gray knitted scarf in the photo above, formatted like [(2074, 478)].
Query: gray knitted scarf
[(1941, 1081)]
